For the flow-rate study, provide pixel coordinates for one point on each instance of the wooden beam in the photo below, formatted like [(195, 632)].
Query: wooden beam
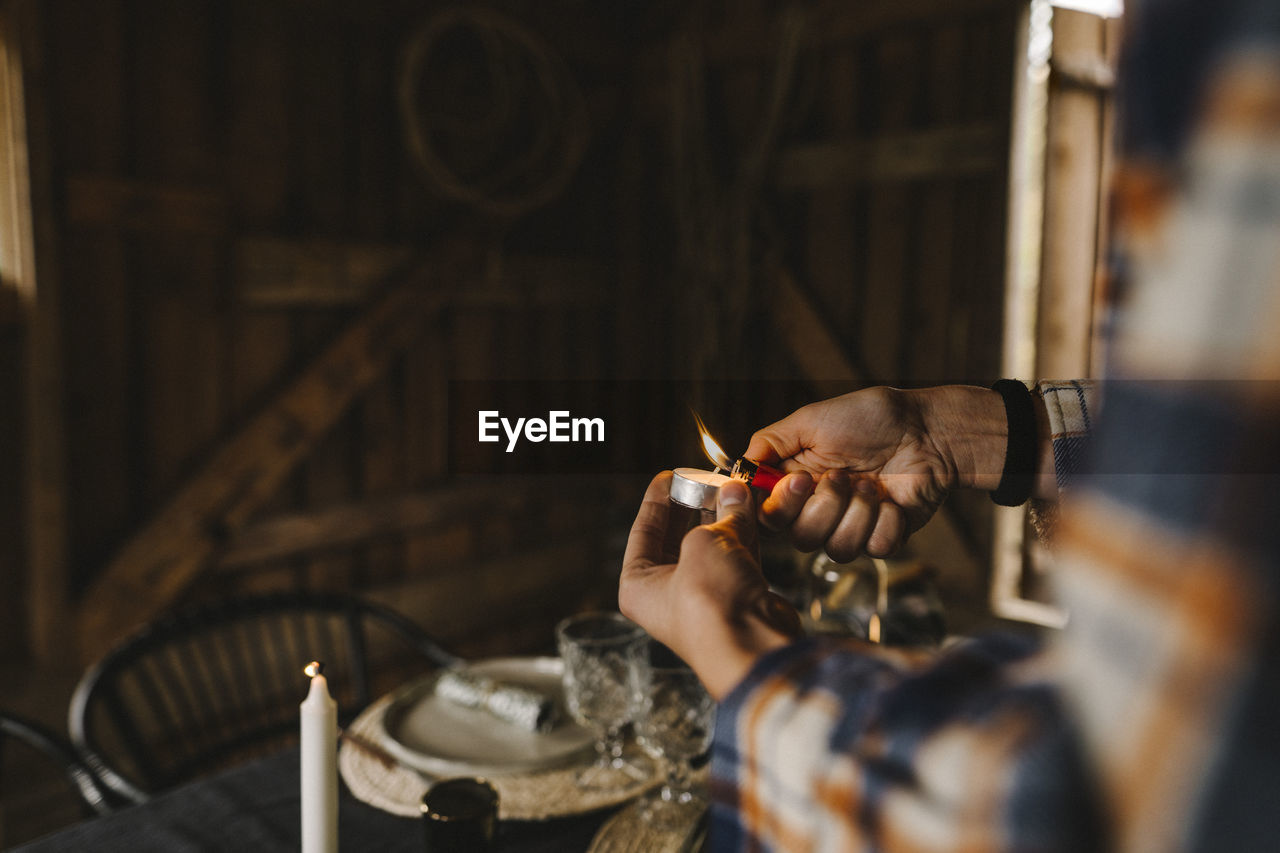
[(821, 358), (955, 151), (179, 541), (295, 533), (1073, 203), (28, 264), (814, 347), (833, 24), (275, 272), (271, 272), (128, 205)]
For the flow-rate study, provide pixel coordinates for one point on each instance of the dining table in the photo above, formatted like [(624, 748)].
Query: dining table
[(255, 806)]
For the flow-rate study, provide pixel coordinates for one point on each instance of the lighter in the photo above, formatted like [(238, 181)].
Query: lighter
[(697, 489)]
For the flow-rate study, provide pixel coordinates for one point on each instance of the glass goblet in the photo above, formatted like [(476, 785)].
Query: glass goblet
[(674, 721), (600, 653)]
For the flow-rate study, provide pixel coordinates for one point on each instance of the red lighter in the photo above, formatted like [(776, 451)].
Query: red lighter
[(755, 474)]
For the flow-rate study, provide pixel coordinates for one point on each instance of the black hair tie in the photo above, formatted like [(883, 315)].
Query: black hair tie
[(1022, 451)]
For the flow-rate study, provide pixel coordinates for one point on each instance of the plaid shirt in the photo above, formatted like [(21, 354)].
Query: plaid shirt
[(1152, 722)]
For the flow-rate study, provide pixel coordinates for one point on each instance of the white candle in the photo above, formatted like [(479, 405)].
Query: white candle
[(319, 766)]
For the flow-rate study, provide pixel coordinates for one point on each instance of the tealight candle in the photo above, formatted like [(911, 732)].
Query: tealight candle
[(319, 765), (697, 489)]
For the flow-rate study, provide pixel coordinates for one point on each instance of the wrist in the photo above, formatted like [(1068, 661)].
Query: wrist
[(969, 426), (725, 653)]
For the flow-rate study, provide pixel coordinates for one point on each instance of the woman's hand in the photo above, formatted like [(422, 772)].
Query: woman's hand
[(701, 593)]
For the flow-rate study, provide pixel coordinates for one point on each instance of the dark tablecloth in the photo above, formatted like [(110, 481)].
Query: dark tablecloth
[(256, 807)]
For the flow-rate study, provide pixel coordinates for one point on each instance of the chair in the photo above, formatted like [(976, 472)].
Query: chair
[(52, 747), (212, 686)]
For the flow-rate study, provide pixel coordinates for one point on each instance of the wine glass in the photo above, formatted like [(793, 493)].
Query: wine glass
[(601, 652), (674, 720)]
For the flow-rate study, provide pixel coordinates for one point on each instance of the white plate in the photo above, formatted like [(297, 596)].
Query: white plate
[(443, 738)]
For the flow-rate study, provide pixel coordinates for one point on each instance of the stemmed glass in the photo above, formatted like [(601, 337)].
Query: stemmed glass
[(674, 721), (601, 652)]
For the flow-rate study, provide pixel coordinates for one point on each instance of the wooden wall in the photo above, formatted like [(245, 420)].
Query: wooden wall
[(231, 187)]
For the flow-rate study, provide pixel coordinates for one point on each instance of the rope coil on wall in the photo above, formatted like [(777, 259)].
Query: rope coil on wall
[(492, 115)]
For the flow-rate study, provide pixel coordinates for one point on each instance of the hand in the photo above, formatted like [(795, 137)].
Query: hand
[(702, 593), (871, 467)]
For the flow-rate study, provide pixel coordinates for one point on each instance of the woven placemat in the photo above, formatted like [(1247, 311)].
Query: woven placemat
[(526, 796), (628, 832)]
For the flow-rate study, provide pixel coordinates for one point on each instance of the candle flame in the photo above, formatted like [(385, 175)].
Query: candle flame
[(718, 457), (316, 667), (873, 628)]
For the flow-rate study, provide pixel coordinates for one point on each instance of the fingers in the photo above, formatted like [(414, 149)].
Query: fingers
[(860, 518), (843, 514), (890, 531), (648, 539), (822, 512), (780, 509)]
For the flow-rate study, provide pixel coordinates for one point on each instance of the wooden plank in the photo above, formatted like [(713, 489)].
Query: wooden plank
[(891, 224), (176, 545), (31, 263), (320, 56), (427, 368), (1102, 295), (261, 346), (962, 149), (350, 524), (273, 272), (830, 234), (930, 315), (17, 227), (15, 631), (163, 207), (376, 138), (833, 24), (813, 346), (331, 475), (180, 335), (1072, 204), (427, 371), (382, 443), (259, 133), (90, 97)]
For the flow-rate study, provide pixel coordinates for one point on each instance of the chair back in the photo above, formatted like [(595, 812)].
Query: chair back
[(209, 687)]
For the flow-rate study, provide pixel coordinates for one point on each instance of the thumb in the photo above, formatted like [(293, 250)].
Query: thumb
[(780, 440), (735, 511)]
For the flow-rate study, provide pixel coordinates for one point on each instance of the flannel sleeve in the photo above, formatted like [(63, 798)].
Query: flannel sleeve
[(835, 745), (1072, 406)]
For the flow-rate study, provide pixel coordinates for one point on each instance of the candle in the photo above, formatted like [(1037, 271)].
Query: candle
[(319, 765), (697, 489)]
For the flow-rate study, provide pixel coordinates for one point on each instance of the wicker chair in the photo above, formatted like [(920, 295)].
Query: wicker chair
[(213, 686), (52, 747)]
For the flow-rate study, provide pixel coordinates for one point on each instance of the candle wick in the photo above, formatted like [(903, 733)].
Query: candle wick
[(316, 667)]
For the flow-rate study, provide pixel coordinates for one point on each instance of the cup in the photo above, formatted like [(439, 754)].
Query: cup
[(460, 816), (600, 653)]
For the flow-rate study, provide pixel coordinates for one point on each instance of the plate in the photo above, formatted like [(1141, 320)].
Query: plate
[(443, 738)]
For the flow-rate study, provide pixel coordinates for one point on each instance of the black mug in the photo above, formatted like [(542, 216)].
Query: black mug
[(461, 816)]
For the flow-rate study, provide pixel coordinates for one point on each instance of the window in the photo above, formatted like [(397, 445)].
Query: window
[(1059, 168)]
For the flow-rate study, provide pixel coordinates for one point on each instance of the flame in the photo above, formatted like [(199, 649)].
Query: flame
[(718, 457), (873, 628), (316, 667)]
